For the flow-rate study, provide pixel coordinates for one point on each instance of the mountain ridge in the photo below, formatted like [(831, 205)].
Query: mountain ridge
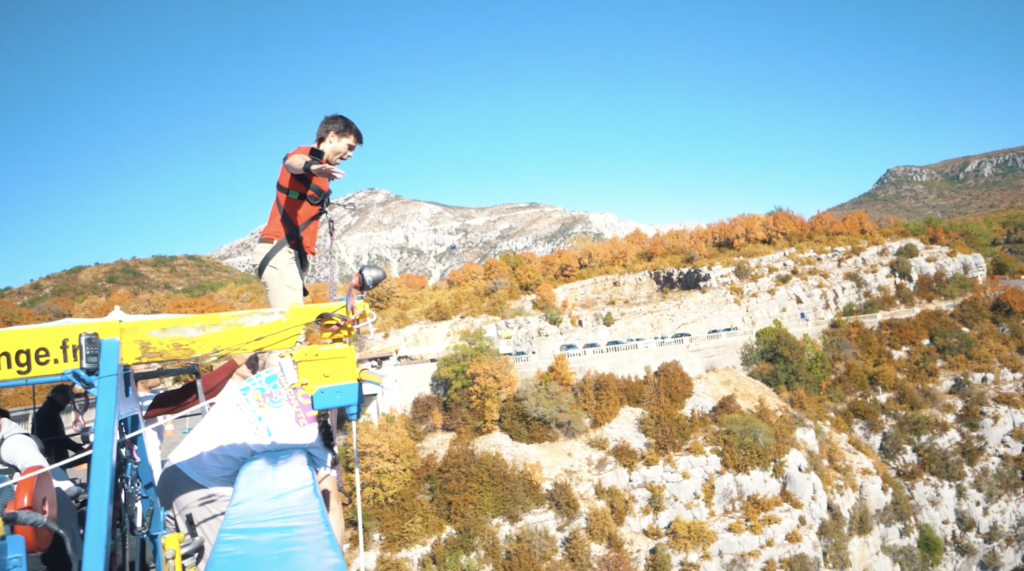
[(422, 237), (962, 186)]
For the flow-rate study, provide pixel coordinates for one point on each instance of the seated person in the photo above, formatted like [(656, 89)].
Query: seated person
[(19, 450), (157, 405), (49, 426), (200, 474)]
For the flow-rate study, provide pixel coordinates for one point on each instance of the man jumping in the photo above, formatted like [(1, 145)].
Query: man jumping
[(282, 255)]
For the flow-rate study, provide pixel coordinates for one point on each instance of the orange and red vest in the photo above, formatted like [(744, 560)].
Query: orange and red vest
[(296, 210)]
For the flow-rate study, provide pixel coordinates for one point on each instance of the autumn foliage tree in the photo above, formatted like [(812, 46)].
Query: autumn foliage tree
[(493, 380)]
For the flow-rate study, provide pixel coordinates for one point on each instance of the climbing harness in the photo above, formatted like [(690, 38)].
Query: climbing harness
[(307, 191)]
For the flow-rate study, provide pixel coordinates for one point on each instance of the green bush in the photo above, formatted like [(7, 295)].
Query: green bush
[(626, 455), (908, 250), (529, 550), (553, 405), (903, 268), (601, 527), (619, 503), (952, 342), (658, 559), (450, 376), (778, 359), (563, 501), (861, 519), (957, 285), (576, 550), (783, 278), (1003, 264), (521, 427), (609, 319), (834, 540), (747, 442), (857, 279), (945, 463), (743, 271), (899, 509), (553, 315), (657, 499), (909, 558), (803, 562), (930, 544)]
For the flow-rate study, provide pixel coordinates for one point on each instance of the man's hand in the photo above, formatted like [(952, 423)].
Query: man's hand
[(294, 164), (241, 358), (327, 171)]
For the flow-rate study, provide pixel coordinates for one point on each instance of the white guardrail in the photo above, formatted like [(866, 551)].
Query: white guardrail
[(797, 325)]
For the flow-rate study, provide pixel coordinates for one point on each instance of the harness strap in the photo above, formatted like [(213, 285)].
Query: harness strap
[(314, 194), (290, 229)]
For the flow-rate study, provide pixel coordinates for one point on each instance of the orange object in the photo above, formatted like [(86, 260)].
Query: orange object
[(36, 494), (292, 200)]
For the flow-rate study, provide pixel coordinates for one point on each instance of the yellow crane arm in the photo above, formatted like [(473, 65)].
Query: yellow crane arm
[(50, 349)]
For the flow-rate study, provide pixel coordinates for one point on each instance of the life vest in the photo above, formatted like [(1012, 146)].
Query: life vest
[(298, 206)]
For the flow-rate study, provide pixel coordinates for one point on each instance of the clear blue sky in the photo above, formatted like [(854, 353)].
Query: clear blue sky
[(141, 128)]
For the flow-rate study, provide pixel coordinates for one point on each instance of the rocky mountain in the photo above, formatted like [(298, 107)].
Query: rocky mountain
[(413, 236), (956, 187)]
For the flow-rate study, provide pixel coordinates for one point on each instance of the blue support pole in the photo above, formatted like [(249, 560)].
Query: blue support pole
[(100, 515)]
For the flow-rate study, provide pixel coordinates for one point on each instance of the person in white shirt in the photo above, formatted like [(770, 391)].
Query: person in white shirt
[(19, 450), (200, 473)]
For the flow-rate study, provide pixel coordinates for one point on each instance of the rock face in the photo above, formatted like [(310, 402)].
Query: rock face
[(820, 286), (969, 185), (411, 236), (689, 279)]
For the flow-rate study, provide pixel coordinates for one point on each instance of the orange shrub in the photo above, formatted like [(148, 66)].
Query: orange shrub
[(413, 281)]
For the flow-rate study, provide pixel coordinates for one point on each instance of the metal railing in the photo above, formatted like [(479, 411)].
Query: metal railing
[(796, 324)]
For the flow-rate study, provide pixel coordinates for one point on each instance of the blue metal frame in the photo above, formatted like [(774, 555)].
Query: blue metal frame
[(116, 402), (118, 407)]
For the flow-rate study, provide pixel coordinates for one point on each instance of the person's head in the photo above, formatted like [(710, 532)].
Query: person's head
[(61, 394), (337, 137), (4, 413)]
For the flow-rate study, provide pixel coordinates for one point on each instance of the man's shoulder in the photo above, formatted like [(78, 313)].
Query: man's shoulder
[(301, 150)]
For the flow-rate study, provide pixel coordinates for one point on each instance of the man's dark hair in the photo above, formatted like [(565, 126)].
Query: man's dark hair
[(341, 125), (62, 390), (4, 413)]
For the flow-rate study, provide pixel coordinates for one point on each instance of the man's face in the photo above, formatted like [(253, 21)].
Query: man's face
[(337, 149)]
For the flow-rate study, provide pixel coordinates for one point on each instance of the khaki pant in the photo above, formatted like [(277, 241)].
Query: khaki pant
[(180, 496), (283, 277)]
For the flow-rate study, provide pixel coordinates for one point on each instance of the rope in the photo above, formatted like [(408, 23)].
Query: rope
[(332, 276), (85, 454), (359, 499)]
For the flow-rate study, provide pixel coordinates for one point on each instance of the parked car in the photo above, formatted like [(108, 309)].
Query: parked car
[(568, 347), (634, 339), (520, 354), (614, 342), (713, 331), (678, 335), (591, 345), (730, 329)]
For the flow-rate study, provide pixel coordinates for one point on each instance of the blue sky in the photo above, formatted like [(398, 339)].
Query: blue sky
[(140, 128)]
